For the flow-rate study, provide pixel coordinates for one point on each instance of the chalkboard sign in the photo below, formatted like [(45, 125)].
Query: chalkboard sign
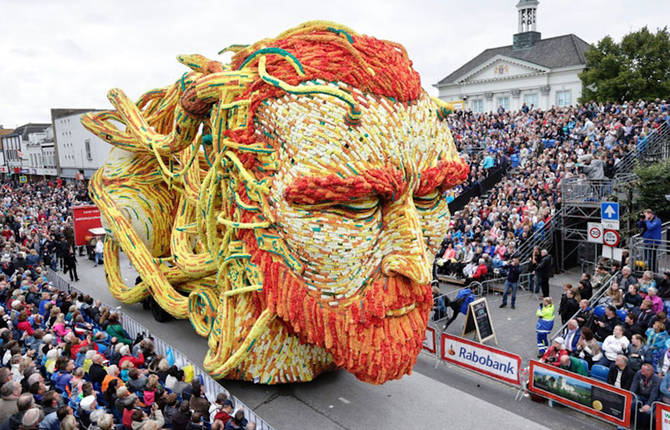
[(478, 319)]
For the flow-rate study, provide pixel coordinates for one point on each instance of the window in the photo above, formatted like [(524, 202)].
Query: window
[(503, 102), (87, 143), (478, 105), (563, 98), (530, 100)]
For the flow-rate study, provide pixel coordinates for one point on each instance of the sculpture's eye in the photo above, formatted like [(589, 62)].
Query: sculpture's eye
[(355, 209), (428, 201)]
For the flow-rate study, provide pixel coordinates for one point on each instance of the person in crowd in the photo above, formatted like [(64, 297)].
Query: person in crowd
[(115, 329), (627, 279), (651, 226), (585, 287), (237, 422), (511, 282), (614, 345), (638, 352), (70, 265), (620, 375), (664, 389), (545, 323), (632, 299), (605, 325), (664, 289), (555, 352), (544, 271), (588, 347), (99, 247), (573, 364), (645, 314), (646, 384), (656, 302), (613, 297), (632, 326), (584, 316), (572, 334), (569, 305)]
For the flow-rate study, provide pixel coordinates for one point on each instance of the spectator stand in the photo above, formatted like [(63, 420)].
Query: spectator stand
[(593, 303), (133, 327), (646, 254)]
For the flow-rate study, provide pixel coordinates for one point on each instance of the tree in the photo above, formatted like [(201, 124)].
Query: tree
[(653, 186), (636, 68)]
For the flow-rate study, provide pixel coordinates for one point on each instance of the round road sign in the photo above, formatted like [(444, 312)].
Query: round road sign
[(595, 232), (611, 238)]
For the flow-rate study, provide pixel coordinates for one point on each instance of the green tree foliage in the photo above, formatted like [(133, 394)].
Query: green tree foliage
[(636, 68), (653, 186)]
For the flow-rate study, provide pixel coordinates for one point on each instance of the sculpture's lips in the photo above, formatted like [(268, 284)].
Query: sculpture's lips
[(401, 311)]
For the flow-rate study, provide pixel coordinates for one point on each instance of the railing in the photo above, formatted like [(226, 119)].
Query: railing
[(542, 238), (593, 301), (646, 254), (133, 327), (655, 147), (578, 191)]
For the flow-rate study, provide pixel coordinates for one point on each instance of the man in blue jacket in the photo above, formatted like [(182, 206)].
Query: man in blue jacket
[(651, 232)]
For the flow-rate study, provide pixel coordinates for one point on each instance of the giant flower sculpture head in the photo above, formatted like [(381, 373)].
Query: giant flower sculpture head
[(288, 203)]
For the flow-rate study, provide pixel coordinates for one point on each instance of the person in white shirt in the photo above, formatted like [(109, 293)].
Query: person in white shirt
[(614, 345), (99, 247)]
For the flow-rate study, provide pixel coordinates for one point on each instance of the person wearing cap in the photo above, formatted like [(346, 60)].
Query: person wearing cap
[(224, 414), (555, 352), (86, 406), (217, 405)]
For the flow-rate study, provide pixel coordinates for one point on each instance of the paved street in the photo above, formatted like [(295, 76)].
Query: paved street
[(436, 398)]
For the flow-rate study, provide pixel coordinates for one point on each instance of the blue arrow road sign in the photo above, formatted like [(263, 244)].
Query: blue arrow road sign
[(609, 211)]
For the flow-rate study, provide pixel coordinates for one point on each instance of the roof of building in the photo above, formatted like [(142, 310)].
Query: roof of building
[(554, 52), (27, 129), (58, 113)]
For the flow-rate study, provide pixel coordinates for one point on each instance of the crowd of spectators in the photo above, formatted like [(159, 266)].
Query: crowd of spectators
[(541, 148), (621, 338), (67, 362)]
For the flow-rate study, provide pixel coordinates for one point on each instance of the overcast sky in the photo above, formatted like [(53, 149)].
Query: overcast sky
[(59, 53)]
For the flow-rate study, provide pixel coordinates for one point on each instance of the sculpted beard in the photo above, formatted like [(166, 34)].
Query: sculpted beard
[(377, 337)]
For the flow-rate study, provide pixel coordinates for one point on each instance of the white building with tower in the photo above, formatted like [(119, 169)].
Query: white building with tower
[(535, 71)]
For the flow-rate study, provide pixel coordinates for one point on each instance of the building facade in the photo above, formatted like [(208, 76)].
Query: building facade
[(538, 72), (77, 150), (20, 145)]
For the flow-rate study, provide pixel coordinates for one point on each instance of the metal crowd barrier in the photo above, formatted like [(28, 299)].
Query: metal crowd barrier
[(133, 327)]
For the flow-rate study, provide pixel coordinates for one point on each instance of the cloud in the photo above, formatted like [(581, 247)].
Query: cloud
[(70, 53)]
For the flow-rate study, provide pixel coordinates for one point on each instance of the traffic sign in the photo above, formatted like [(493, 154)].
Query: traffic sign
[(595, 232), (610, 225), (609, 211), (611, 238)]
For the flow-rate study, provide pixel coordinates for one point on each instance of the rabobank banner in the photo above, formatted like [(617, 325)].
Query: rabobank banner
[(481, 358)]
